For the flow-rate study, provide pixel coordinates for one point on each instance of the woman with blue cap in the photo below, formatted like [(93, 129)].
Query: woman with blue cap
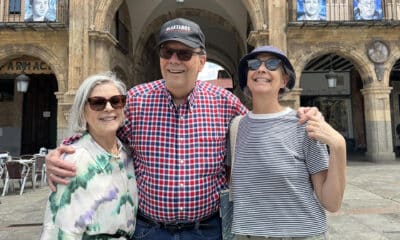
[(283, 178)]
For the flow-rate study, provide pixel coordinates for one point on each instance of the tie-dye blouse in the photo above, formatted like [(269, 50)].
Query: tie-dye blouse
[(101, 199)]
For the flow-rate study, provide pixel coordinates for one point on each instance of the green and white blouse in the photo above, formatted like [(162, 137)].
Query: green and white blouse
[(101, 199)]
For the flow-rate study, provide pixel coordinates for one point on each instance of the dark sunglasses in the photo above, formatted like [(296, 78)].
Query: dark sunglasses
[(99, 103), (271, 64), (182, 54)]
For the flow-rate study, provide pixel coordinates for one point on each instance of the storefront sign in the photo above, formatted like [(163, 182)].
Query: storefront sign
[(28, 66)]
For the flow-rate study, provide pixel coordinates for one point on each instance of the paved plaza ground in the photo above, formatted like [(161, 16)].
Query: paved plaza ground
[(370, 211)]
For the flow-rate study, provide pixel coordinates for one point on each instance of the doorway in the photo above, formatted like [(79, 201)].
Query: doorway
[(39, 119)]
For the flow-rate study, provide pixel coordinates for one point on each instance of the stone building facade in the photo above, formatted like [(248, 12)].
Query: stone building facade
[(119, 35)]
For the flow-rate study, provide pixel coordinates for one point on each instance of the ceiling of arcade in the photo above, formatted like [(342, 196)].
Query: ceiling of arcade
[(226, 25)]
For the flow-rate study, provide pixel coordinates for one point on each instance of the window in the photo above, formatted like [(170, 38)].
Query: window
[(122, 34), (14, 7)]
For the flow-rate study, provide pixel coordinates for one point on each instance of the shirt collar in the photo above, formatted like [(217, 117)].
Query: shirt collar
[(190, 100)]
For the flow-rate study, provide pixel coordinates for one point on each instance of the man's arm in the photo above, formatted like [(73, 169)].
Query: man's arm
[(59, 171)]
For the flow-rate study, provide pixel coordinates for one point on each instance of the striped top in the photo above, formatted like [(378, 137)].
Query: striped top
[(101, 199), (272, 189)]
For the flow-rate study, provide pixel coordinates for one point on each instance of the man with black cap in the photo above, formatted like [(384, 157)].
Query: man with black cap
[(176, 129)]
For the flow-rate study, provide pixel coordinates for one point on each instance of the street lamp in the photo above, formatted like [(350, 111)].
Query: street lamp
[(22, 82), (331, 76), (180, 2)]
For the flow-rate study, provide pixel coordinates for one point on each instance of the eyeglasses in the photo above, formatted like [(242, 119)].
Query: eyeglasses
[(99, 103), (271, 64), (182, 54)]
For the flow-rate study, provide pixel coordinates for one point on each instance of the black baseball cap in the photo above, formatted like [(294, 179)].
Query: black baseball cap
[(243, 68), (184, 31)]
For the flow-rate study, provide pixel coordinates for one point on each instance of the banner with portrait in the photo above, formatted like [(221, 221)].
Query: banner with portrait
[(311, 10), (367, 10), (40, 10)]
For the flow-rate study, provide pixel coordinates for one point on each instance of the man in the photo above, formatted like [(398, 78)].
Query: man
[(176, 128), (312, 9), (366, 10), (39, 11)]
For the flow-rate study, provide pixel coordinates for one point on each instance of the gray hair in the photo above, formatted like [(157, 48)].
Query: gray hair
[(77, 120), (282, 91)]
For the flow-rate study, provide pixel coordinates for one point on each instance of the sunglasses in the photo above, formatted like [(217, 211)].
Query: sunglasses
[(182, 54), (271, 64), (99, 103)]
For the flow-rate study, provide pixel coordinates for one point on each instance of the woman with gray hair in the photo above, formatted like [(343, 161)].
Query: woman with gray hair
[(283, 178), (100, 202)]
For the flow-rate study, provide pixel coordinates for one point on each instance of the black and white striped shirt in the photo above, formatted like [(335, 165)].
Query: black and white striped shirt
[(272, 189)]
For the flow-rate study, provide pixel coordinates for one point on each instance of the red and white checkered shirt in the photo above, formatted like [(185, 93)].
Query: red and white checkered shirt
[(179, 151)]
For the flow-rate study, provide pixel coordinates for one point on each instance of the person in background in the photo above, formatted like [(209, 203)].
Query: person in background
[(176, 128), (283, 178), (101, 201)]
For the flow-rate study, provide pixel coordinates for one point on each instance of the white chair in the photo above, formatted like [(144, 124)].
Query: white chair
[(40, 169), (15, 170)]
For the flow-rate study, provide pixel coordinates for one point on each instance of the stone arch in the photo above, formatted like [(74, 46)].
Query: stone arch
[(361, 63), (152, 28), (104, 13), (393, 58), (10, 52), (256, 16)]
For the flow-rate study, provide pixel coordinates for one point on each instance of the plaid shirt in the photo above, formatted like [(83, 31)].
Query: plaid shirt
[(179, 151)]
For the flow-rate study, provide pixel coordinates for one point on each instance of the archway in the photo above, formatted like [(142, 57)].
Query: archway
[(342, 103), (33, 120)]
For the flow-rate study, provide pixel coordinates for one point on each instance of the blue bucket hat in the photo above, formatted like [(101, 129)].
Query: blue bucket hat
[(243, 68)]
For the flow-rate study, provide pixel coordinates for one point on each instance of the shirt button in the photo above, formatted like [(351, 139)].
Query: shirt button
[(182, 161), (181, 209), (182, 184)]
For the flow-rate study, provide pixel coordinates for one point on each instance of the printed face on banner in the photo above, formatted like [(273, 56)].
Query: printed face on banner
[(311, 10), (40, 10), (367, 9)]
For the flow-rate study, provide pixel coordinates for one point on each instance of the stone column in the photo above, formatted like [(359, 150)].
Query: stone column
[(78, 56), (101, 44), (292, 99), (258, 38), (62, 123), (378, 124), (277, 23)]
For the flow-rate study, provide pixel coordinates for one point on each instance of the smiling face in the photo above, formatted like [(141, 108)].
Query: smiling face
[(264, 81), (39, 8), (104, 123), (180, 76)]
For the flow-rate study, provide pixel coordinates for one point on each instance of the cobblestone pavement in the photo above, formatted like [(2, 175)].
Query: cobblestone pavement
[(370, 210)]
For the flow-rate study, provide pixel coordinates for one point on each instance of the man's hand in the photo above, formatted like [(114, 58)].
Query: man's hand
[(305, 114), (58, 171)]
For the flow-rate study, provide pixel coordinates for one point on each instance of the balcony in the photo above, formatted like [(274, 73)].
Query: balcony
[(345, 13), (17, 15)]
